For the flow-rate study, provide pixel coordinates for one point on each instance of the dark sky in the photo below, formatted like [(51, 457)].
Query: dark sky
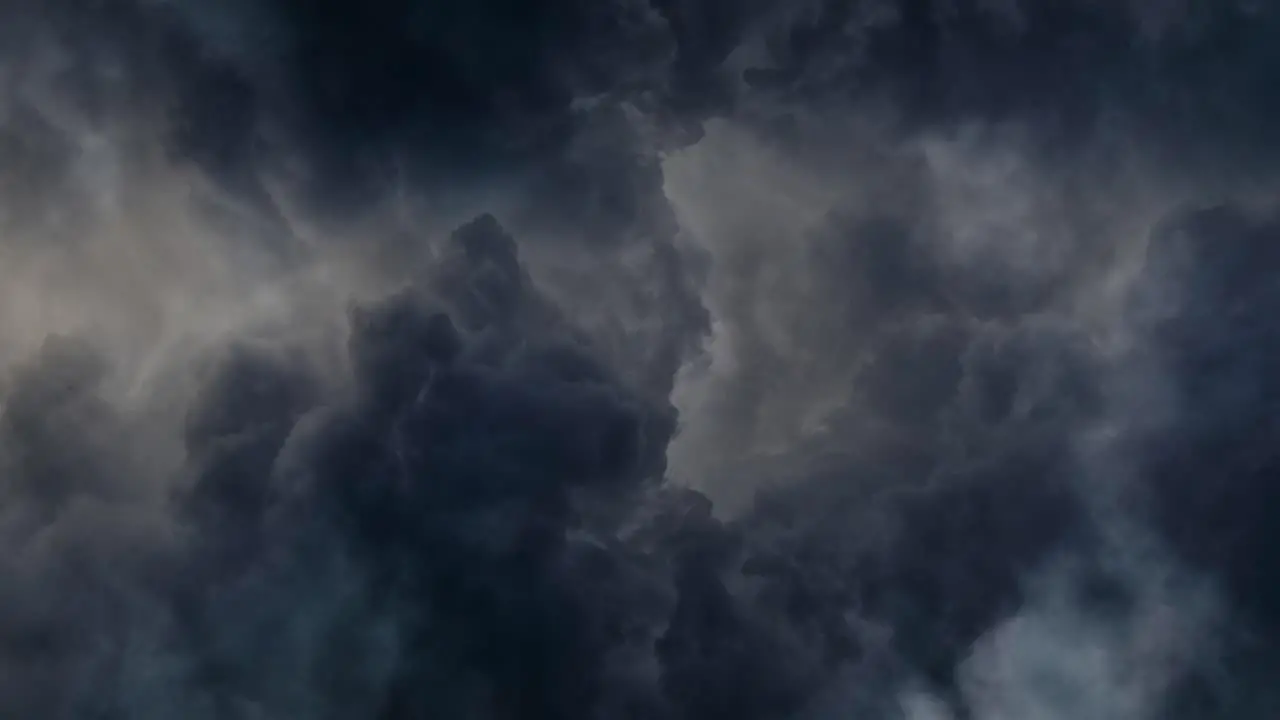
[(639, 360)]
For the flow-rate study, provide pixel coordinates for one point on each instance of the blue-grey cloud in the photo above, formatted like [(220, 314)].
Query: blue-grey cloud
[(680, 359)]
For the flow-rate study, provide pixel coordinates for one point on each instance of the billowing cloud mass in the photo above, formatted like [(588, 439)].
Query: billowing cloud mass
[(639, 359)]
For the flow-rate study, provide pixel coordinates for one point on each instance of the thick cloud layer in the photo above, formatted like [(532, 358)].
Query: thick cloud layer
[(670, 359)]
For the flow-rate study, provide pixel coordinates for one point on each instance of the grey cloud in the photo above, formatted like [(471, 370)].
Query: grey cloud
[(852, 358)]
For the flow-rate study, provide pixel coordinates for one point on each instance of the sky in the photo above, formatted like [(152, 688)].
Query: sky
[(639, 360)]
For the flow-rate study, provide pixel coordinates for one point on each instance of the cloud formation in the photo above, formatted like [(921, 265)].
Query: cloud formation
[(669, 359)]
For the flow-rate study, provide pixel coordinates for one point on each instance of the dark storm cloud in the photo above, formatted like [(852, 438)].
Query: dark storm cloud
[(1184, 73), (444, 501), (961, 474), (1210, 472)]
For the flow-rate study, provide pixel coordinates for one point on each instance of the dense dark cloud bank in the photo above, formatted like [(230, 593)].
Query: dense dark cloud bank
[(639, 359)]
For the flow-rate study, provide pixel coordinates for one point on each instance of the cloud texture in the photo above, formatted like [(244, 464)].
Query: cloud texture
[(643, 359)]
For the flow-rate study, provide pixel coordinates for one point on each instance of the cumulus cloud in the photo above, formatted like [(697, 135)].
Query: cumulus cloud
[(672, 359)]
